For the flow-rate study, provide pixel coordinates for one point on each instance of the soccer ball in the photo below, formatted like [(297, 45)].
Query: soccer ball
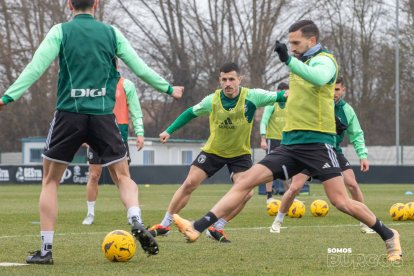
[(118, 246), (297, 209), (409, 207), (273, 207), (319, 208), (398, 211)]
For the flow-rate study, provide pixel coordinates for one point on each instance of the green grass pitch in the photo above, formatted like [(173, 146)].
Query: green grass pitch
[(301, 248)]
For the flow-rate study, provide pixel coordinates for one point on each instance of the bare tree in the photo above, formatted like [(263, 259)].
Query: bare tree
[(23, 25)]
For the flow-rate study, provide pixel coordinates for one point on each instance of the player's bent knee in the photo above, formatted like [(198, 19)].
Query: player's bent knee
[(189, 185)]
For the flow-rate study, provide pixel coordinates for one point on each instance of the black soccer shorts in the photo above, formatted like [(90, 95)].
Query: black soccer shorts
[(211, 163), (287, 160), (68, 131)]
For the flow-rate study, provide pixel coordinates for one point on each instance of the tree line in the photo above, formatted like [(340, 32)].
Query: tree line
[(186, 41)]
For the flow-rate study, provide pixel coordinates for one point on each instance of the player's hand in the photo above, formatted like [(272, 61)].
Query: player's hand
[(85, 145), (263, 143), (282, 51), (164, 137), (2, 105), (364, 165), (177, 92), (286, 95), (140, 142)]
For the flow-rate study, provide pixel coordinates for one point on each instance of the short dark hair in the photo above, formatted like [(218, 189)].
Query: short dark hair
[(307, 27), (283, 86), (82, 5), (228, 67), (339, 80)]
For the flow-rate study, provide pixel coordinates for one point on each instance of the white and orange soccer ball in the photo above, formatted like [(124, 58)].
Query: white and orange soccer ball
[(119, 246), (297, 209), (319, 208), (399, 212), (273, 207)]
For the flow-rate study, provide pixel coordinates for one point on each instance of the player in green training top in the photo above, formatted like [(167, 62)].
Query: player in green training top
[(126, 99), (88, 76), (271, 127), (307, 143), (231, 110), (349, 122)]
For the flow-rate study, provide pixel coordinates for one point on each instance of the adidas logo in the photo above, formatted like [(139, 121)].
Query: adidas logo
[(347, 164), (228, 124), (207, 218), (326, 166)]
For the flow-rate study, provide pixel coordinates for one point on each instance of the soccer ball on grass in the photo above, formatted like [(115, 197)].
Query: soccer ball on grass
[(319, 208), (273, 207), (119, 246), (297, 209), (399, 212)]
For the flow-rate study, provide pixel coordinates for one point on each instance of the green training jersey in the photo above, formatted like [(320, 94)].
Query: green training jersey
[(347, 115), (87, 51)]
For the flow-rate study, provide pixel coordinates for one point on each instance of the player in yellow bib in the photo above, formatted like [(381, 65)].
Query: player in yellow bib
[(231, 110), (271, 127), (307, 143)]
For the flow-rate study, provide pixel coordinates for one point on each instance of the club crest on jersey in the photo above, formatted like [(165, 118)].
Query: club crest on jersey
[(82, 93)]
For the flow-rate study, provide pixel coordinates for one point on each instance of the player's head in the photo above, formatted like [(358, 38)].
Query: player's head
[(339, 89), (83, 5), (282, 86), (230, 79), (303, 35)]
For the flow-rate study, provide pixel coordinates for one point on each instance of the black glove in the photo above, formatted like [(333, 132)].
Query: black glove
[(282, 51)]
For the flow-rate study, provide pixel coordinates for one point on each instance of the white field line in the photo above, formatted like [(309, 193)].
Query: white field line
[(227, 229)]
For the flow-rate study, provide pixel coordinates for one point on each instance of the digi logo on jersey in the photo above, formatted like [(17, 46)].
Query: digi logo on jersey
[(82, 93)]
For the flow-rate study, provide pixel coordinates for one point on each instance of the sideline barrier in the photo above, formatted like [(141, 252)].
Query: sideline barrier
[(78, 174)]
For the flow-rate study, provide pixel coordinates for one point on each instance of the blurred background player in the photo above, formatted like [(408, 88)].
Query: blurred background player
[(271, 127), (350, 126), (231, 110), (126, 99)]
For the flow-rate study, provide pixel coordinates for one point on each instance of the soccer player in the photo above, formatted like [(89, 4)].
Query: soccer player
[(349, 122), (231, 110), (126, 99), (88, 76), (271, 126), (307, 143)]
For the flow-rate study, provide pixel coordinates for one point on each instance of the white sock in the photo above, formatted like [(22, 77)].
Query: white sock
[(280, 216), (167, 220), (47, 241), (91, 207), (135, 211), (219, 225)]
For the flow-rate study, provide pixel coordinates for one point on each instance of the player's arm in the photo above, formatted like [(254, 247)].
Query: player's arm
[(141, 69), (356, 136), (320, 70), (260, 97), (135, 111), (47, 51), (202, 108), (267, 113)]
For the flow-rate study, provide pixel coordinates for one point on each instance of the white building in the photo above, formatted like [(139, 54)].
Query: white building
[(175, 152)]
